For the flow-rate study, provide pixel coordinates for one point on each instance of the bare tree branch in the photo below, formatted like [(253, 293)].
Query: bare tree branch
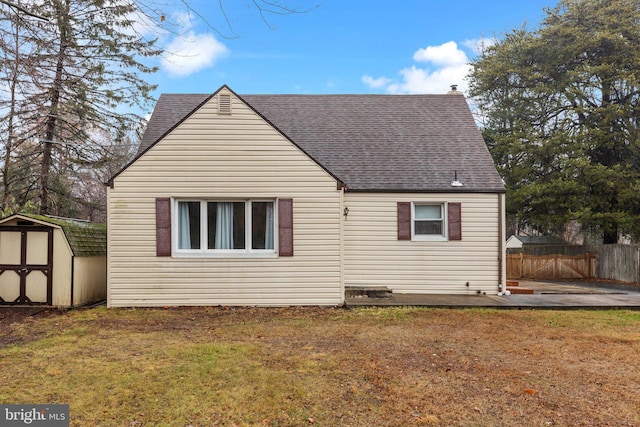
[(264, 8), (23, 10)]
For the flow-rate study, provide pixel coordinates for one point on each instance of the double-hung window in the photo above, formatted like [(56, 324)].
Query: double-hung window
[(428, 221), (239, 227)]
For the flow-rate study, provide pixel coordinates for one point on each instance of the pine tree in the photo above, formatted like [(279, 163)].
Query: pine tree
[(561, 105), (73, 67), (89, 67)]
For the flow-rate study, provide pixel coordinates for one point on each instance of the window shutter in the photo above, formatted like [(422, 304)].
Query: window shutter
[(285, 227), (404, 221), (454, 217), (163, 227)]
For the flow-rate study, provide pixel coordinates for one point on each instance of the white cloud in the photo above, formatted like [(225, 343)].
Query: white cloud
[(445, 55), (419, 80), (446, 65), (191, 53), (376, 83)]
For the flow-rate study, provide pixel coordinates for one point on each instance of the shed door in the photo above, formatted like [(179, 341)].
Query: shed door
[(26, 264)]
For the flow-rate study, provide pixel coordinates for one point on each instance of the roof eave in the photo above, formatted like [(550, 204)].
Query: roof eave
[(427, 190), (28, 217)]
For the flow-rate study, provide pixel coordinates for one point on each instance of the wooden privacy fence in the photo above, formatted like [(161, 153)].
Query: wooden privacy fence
[(554, 266), (612, 262)]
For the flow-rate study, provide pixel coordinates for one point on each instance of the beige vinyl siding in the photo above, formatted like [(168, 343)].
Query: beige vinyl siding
[(223, 157), (373, 255), (62, 258), (89, 279)]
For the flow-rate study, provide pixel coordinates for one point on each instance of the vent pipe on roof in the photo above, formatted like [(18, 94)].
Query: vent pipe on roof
[(454, 90), (455, 182)]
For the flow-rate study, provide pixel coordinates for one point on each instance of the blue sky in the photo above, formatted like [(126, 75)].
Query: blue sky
[(341, 46)]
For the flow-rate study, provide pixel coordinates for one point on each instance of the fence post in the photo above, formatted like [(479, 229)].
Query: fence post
[(637, 265)]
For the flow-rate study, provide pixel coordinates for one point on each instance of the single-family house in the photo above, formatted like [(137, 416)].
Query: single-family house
[(290, 199)]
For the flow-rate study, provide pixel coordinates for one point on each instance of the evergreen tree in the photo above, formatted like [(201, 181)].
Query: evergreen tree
[(84, 64), (71, 67), (561, 107)]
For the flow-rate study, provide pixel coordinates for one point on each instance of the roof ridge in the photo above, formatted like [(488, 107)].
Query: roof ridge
[(313, 94)]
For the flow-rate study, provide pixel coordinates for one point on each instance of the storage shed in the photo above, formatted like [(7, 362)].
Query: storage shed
[(517, 243), (52, 261)]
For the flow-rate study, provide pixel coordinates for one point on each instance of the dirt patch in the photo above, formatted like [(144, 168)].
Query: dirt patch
[(16, 314), (14, 318)]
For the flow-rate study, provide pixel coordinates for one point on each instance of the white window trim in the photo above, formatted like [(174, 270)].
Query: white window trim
[(204, 252), (444, 237)]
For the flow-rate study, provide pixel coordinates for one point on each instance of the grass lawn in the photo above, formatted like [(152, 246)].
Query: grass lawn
[(327, 367)]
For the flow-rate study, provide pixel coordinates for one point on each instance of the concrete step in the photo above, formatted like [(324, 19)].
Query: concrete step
[(518, 290), (367, 292)]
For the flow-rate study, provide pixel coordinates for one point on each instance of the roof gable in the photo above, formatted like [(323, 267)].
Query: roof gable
[(369, 142), (173, 109)]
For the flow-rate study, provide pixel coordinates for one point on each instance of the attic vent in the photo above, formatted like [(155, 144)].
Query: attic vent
[(224, 104)]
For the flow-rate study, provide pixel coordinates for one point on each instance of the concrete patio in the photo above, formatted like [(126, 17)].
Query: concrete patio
[(546, 295)]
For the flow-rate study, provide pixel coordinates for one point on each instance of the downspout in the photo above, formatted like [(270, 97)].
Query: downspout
[(342, 218), (501, 287)]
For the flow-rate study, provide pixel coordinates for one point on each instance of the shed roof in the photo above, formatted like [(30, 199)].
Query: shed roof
[(541, 240), (85, 238), (369, 142)]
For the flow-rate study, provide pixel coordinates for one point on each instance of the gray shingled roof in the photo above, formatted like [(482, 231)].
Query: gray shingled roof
[(369, 142)]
